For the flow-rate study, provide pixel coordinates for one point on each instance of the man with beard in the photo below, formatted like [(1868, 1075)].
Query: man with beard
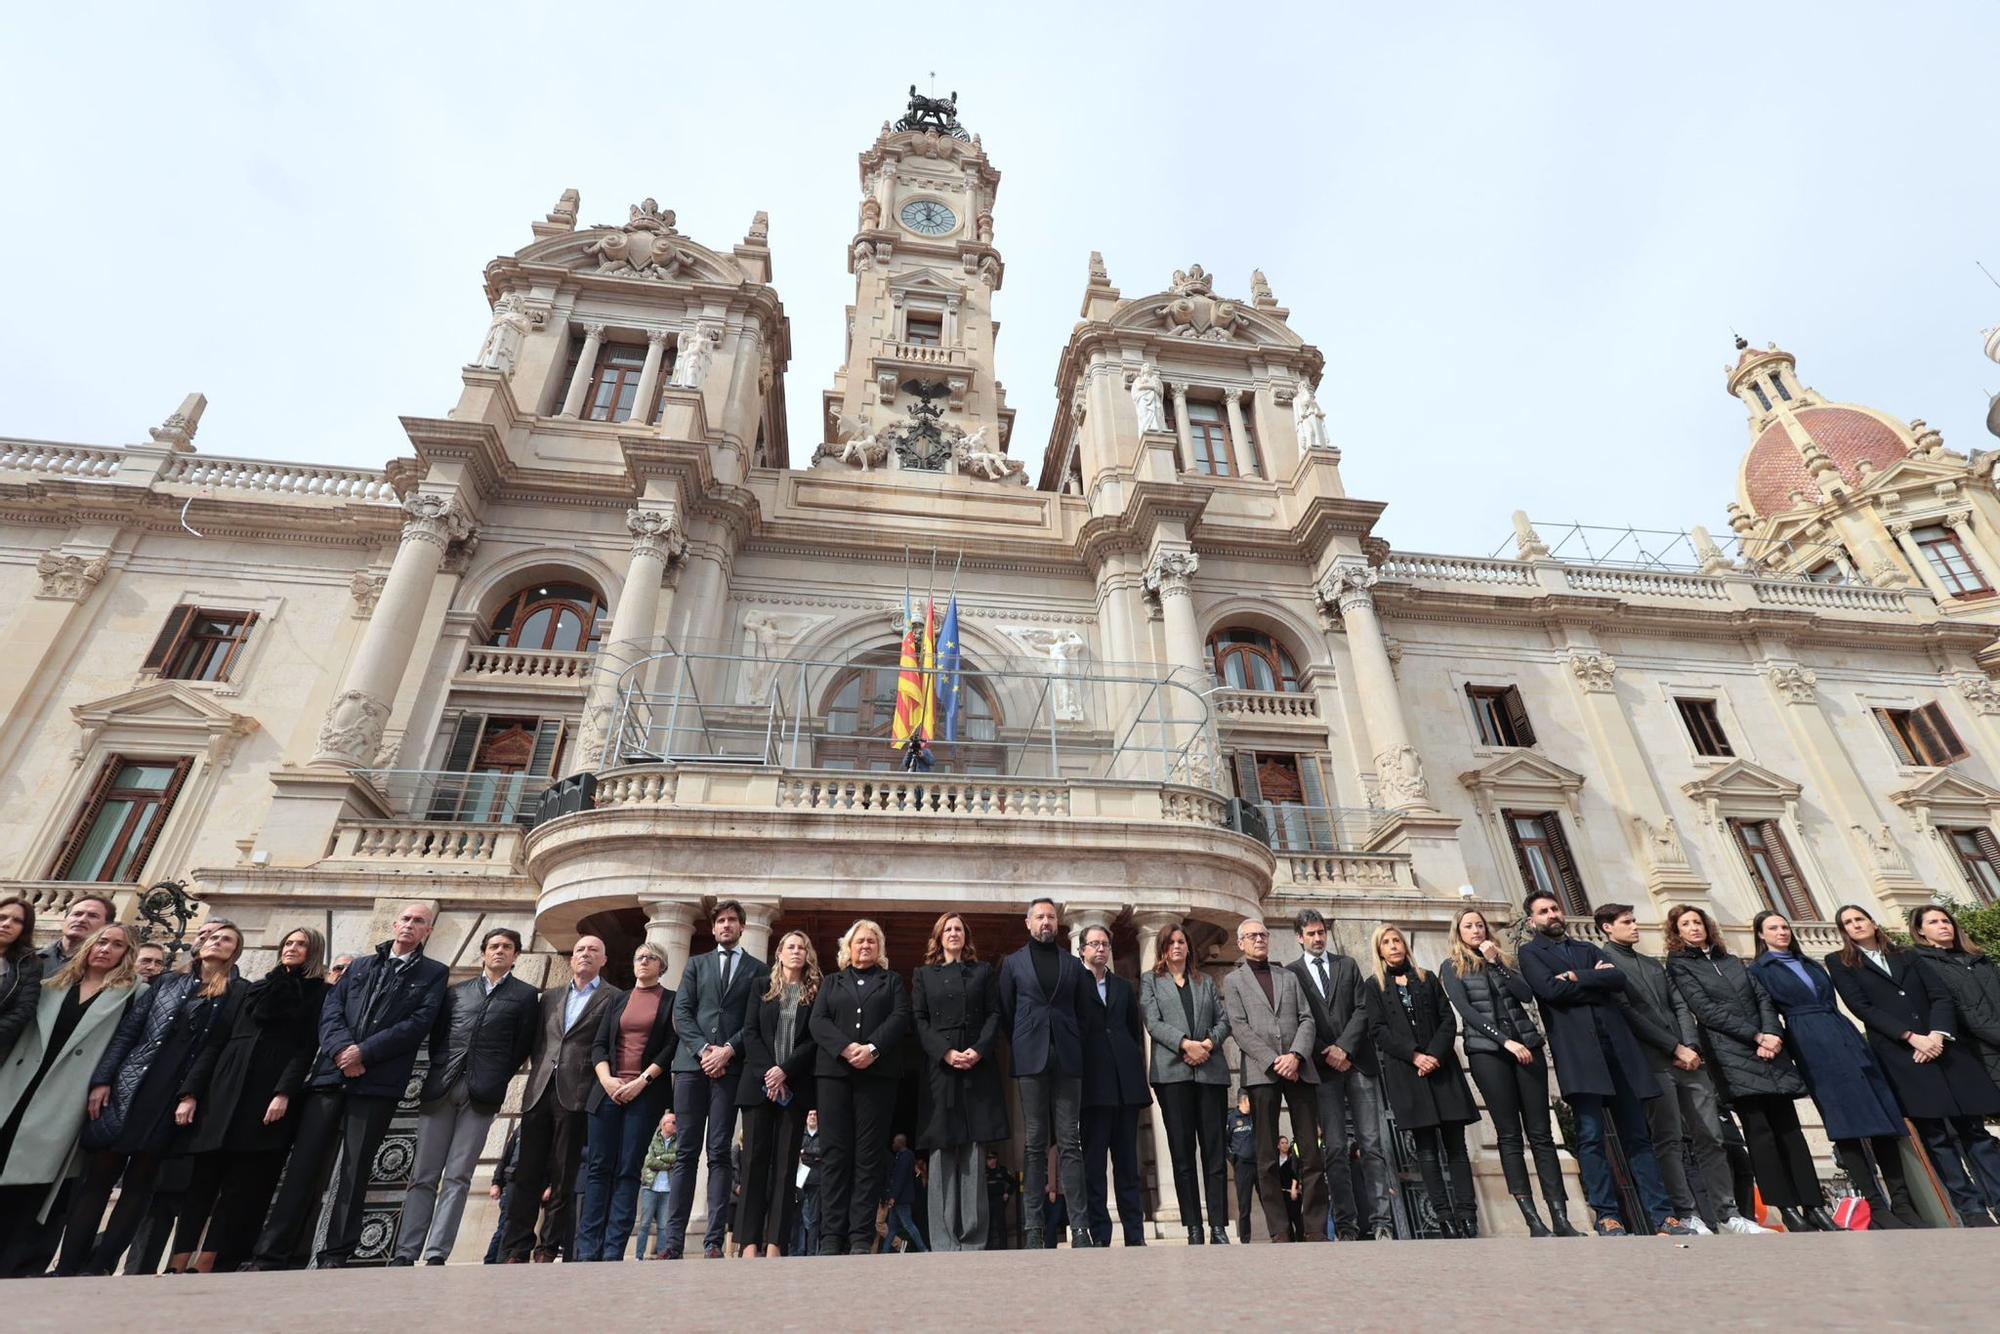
[(1041, 986)]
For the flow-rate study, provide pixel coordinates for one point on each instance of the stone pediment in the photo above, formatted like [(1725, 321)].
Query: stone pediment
[(1745, 790), (1523, 770), (927, 280), (166, 712), (1189, 311), (1948, 797), (647, 248)]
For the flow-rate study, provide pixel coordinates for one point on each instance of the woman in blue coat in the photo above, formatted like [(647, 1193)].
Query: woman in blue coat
[(1856, 1105)]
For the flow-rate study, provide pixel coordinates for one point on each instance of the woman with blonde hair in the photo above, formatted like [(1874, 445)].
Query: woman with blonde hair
[(1414, 1035), (956, 1008), (775, 1093), (45, 1082), (859, 1021), (1509, 1061)]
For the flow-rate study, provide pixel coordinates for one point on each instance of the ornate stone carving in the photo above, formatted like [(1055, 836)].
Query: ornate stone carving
[(1196, 313), (591, 733), (641, 248), (974, 459), (696, 355), (366, 589), (656, 533), (1660, 847), (1171, 574), (864, 256), (177, 431), (1980, 692), (871, 213), (1064, 650), (1794, 682), (503, 337), (989, 271), (1399, 776), (1348, 586), (437, 519), (564, 213), (1308, 419), (854, 442), (1882, 849), (1099, 275), (983, 228), (1149, 399), (760, 228), (1528, 544), (1260, 290), (1594, 671), (353, 727), (68, 577), (766, 638)]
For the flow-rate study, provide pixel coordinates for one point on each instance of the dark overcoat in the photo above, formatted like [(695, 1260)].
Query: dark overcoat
[(1042, 1030), (1114, 1045), (1584, 1017), (266, 1053), (956, 1006), (1732, 1009), (1973, 983), (1846, 1083), (1419, 1101), (1902, 1001)]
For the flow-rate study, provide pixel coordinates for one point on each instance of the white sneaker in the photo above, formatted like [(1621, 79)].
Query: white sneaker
[(1696, 1226), (1738, 1223)]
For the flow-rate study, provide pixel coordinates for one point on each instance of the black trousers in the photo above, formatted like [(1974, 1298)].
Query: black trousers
[(855, 1117), (1778, 1152), (332, 1122), (1300, 1099), (767, 1209), (28, 1240), (1194, 1115), (1246, 1187), (549, 1155), (1517, 1098), (83, 1251), (1113, 1133), (226, 1199), (1446, 1171)]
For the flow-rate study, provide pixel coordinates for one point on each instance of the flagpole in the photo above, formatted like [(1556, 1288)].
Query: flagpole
[(930, 672)]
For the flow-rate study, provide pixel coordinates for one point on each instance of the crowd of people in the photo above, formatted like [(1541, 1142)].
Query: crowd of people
[(236, 1120)]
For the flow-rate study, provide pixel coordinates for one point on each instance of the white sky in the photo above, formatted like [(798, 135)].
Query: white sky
[(1521, 238)]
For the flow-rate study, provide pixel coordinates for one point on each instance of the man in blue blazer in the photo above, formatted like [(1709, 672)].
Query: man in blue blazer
[(1041, 987)]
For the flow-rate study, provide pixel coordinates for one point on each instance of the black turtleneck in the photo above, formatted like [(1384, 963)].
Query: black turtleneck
[(1047, 959), (1261, 970)]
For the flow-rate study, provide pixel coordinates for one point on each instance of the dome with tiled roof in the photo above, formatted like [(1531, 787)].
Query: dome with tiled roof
[(1789, 422)]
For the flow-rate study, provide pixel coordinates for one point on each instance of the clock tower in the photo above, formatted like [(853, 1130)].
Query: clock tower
[(917, 392)]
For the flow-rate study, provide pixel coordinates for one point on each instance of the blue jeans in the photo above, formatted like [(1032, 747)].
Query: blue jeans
[(901, 1220), (805, 1233), (1629, 1111), (652, 1222), (619, 1137)]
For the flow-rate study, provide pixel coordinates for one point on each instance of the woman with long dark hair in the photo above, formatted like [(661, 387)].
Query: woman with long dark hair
[(1856, 1106), (1954, 963), (1190, 1078), (1747, 1056), (137, 1108), (955, 1007), (859, 1021), (243, 1090), (20, 970), (1942, 1088), (1509, 1063), (775, 1093), (1414, 1034)]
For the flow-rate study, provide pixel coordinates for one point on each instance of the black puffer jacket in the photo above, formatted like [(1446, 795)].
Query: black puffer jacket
[(1493, 1003), (483, 1038), (1732, 1009), (1973, 983), (20, 993)]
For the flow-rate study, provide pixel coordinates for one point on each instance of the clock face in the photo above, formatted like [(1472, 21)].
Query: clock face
[(927, 217)]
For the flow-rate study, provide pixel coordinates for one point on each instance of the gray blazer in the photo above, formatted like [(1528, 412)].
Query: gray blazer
[(704, 1016), (1265, 1031), (1160, 1007)]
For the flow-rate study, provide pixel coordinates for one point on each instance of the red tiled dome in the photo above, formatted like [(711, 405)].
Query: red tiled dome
[(1773, 469)]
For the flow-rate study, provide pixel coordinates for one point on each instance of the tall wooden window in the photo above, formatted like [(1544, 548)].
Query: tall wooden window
[(1704, 727), (199, 645), (1208, 435), (1246, 447), (567, 618), (1292, 792), (1978, 853), (860, 712), (1251, 660), (494, 768), (614, 380), (1773, 869), (1541, 850), (1501, 715), (1949, 561), (114, 833), (924, 328), (1921, 736)]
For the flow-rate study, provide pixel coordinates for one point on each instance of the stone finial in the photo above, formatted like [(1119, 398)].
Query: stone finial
[(1710, 555), (1260, 291), (561, 219), (1527, 542), (177, 431), (1740, 521), (1099, 275), (760, 229), (1927, 440)]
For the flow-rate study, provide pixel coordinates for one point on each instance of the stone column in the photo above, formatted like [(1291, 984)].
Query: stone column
[(586, 365), (759, 917), (1182, 432), (649, 377), (1239, 438), (1960, 523), (1920, 564), (670, 925), (1347, 589), (1167, 1209), (352, 732), (1170, 578), (656, 542)]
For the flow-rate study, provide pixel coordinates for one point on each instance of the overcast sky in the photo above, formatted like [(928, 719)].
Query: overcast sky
[(1521, 235)]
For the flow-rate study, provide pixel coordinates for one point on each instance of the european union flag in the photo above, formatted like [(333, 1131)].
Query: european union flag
[(947, 671)]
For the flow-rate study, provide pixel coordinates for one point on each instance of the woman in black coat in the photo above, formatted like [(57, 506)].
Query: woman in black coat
[(1942, 1088), (1414, 1033), (136, 1108), (1954, 963), (243, 1090), (1746, 1056), (1857, 1108), (859, 1020), (20, 970), (1509, 1064), (961, 1107), (775, 1093)]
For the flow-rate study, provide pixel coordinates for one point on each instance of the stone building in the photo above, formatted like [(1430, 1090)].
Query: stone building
[(315, 692)]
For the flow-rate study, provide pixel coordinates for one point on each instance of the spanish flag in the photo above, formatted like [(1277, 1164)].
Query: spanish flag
[(910, 715), (929, 714)]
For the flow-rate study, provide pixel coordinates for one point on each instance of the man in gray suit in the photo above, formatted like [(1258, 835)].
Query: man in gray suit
[(708, 1015), (1345, 1063), (1273, 1028)]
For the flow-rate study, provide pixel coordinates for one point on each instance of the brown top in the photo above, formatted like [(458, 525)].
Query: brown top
[(635, 1029)]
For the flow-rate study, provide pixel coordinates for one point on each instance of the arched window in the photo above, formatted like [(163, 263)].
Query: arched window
[(860, 711), (567, 618), (1251, 660)]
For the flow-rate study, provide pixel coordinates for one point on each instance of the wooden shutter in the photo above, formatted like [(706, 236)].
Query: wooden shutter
[(1798, 898), (1887, 718), (1989, 847), (1246, 776), (1319, 818), (237, 646), (1517, 717), (464, 743), (169, 641), (548, 746), (1528, 882), (1577, 902), (1936, 731), (80, 827)]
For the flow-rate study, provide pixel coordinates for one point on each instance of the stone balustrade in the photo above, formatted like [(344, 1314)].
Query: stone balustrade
[(1266, 705), (47, 460), (1645, 583), (474, 847), (201, 470), (922, 354), (866, 794), (1421, 568), (1369, 870), (537, 666), (1833, 597)]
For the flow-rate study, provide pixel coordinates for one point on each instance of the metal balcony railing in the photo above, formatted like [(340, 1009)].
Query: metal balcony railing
[(459, 798)]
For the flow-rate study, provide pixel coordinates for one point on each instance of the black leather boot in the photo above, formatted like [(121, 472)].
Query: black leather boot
[(1794, 1221), (1218, 1236), (1821, 1219), (1534, 1220), (1195, 1237), (1559, 1219)]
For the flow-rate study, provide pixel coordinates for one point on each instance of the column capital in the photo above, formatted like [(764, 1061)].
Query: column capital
[(1796, 683), (438, 519), (1593, 670), (656, 533), (1233, 394), (1958, 518), (1978, 689), (1178, 388), (658, 337), (1171, 574), (1348, 586), (591, 328)]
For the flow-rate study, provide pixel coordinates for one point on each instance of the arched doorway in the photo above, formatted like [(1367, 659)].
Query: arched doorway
[(860, 710)]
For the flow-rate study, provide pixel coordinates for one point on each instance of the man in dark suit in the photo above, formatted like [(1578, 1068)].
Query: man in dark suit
[(1344, 1057), (555, 1109), (1114, 1089), (1274, 1033), (708, 1015), (1041, 988), (371, 1026), (1599, 1063)]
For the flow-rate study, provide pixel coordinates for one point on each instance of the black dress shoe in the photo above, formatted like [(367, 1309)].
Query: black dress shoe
[(1195, 1237), (1346, 1232), (1218, 1236), (435, 1260), (399, 1262)]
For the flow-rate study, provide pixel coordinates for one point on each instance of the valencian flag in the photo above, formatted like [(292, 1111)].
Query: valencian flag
[(911, 718), (946, 682)]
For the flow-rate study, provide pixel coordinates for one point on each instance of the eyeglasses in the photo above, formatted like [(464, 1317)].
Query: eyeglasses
[(1256, 935)]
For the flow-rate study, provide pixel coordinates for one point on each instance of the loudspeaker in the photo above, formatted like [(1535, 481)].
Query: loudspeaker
[(1247, 818), (573, 794)]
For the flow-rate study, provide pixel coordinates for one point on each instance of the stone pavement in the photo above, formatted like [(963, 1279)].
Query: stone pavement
[(1873, 1281)]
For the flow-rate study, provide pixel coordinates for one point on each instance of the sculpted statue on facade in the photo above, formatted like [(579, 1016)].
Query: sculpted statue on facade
[(1662, 845), (1065, 650), (976, 460), (857, 442), (1307, 418), (504, 336), (642, 246), (766, 638), (694, 356), (1196, 313), (1149, 399), (68, 577)]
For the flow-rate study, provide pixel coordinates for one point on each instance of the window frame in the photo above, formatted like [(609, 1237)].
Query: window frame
[(1700, 714), (1507, 712), (1906, 729), (1208, 440), (1275, 658), (166, 658), (933, 322), (1940, 552), (525, 601), (1985, 853), (102, 792), (1547, 850), (1775, 874)]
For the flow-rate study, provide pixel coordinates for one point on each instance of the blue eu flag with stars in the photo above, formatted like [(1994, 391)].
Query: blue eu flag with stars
[(948, 672)]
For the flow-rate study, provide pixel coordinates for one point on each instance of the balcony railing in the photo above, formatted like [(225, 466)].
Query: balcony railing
[(469, 845), (1296, 828), (485, 664), (1265, 705), (459, 798)]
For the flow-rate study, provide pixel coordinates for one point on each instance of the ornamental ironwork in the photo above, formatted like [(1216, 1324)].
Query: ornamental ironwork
[(924, 442), (167, 909), (933, 113)]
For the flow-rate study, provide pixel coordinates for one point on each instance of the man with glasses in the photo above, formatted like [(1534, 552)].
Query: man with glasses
[(1273, 1028)]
